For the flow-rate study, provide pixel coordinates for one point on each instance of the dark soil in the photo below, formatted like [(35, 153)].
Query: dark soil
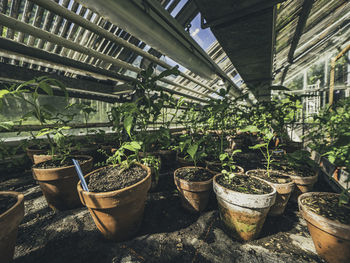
[(328, 206), (57, 163), (115, 178), (244, 184), (194, 174), (6, 202), (275, 176)]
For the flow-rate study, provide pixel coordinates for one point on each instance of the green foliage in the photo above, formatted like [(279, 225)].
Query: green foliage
[(121, 156), (227, 162)]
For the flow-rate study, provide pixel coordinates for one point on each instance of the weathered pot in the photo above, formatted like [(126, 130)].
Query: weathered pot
[(331, 238), (208, 164), (117, 214), (303, 184), (59, 184), (182, 162), (30, 152), (9, 222), (194, 195), (243, 214), (284, 191)]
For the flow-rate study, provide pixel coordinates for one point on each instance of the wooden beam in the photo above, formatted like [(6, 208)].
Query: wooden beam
[(304, 14)]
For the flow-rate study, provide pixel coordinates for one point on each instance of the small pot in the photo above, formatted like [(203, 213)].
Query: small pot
[(243, 214), (194, 195), (39, 158), (31, 152), (284, 191), (59, 184), (331, 238), (9, 222), (182, 162), (168, 157), (208, 163), (303, 184), (117, 214)]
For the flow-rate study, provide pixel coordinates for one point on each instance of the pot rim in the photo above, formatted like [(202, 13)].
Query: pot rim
[(282, 173), (244, 194), (20, 198), (114, 192), (340, 230), (65, 167), (197, 182)]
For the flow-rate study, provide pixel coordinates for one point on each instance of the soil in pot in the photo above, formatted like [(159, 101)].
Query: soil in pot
[(57, 163), (327, 206), (115, 178), (6, 202), (244, 202), (193, 174), (217, 168), (244, 184), (117, 213), (284, 186), (195, 186), (328, 224)]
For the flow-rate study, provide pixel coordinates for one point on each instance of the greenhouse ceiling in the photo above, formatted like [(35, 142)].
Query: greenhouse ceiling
[(97, 47)]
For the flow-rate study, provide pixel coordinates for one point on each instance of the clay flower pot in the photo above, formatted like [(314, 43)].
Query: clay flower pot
[(59, 184), (303, 184), (194, 195), (9, 222), (284, 191), (331, 238), (168, 157), (39, 158), (31, 152), (243, 214), (117, 214), (240, 169)]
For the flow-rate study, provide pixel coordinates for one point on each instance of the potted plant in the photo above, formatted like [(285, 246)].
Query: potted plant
[(328, 220), (117, 193), (244, 202), (281, 181), (226, 162), (57, 176), (194, 183), (11, 214), (301, 169)]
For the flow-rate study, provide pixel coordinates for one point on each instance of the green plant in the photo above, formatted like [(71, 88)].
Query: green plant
[(121, 157), (152, 162), (194, 151), (227, 162), (86, 109), (43, 113)]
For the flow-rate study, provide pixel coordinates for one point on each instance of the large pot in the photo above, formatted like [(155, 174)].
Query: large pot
[(9, 222), (284, 191), (243, 214), (194, 195), (117, 214), (331, 238), (59, 184)]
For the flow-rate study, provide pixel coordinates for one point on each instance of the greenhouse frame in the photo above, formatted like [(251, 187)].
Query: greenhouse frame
[(174, 131)]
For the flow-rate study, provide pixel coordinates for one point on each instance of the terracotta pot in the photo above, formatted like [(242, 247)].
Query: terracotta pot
[(168, 157), (303, 184), (39, 158), (9, 222), (31, 152), (182, 162), (194, 195), (59, 184), (284, 191), (118, 214), (243, 214), (208, 163), (331, 238)]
